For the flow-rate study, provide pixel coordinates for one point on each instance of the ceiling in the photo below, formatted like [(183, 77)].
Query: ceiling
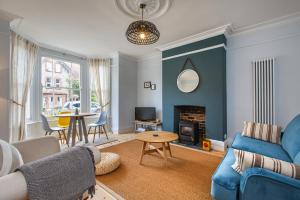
[(97, 27)]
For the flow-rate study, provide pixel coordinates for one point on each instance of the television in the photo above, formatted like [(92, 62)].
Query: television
[(145, 113)]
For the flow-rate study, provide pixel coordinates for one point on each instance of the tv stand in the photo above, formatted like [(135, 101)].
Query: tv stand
[(141, 126)]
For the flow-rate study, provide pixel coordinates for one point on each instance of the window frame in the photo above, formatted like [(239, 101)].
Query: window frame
[(36, 96)]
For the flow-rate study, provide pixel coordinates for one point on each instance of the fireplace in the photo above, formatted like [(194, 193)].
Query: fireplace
[(188, 132), (189, 123)]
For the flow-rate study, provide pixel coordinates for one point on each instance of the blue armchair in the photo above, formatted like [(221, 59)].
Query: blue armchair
[(257, 183), (264, 184)]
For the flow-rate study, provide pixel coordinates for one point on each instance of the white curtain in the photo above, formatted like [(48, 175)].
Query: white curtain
[(23, 61), (100, 73)]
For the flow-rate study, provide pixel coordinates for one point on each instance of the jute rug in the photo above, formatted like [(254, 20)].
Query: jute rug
[(187, 175)]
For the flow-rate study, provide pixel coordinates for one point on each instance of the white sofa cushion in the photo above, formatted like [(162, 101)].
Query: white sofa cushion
[(10, 158)]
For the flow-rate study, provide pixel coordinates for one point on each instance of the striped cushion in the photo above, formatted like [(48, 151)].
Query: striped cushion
[(245, 160), (10, 158), (266, 132)]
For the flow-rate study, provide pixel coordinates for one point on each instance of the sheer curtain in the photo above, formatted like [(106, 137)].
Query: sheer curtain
[(100, 73), (23, 61)]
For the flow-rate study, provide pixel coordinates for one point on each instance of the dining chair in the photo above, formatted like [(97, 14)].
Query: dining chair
[(64, 122), (100, 124), (49, 130)]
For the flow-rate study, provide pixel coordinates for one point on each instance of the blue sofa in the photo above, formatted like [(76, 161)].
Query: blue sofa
[(257, 183)]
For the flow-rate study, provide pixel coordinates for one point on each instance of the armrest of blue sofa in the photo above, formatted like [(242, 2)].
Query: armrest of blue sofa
[(261, 184)]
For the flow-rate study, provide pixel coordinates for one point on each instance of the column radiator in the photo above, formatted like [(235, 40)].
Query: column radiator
[(263, 90)]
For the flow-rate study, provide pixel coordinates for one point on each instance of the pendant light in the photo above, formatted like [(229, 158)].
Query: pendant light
[(142, 32)]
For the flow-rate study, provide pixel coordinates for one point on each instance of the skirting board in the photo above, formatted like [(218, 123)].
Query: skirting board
[(124, 130), (217, 145)]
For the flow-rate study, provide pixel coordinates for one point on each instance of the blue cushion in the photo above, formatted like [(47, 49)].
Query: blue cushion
[(297, 159), (226, 181), (291, 137), (260, 147)]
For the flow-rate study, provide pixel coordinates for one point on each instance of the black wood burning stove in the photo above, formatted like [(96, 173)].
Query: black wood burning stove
[(189, 132)]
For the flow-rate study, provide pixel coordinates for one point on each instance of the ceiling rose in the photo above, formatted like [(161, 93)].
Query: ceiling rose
[(154, 9)]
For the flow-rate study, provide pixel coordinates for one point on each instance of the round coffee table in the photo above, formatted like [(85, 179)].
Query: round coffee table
[(162, 137)]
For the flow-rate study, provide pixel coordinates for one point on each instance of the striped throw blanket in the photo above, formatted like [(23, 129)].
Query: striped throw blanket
[(245, 160), (62, 176)]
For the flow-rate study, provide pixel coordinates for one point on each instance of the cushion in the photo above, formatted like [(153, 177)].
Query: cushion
[(260, 147), (291, 137), (266, 132), (109, 162), (245, 160), (96, 153), (10, 158), (225, 178)]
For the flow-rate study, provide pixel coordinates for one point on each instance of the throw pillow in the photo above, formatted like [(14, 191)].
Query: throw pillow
[(266, 132), (10, 158), (245, 160)]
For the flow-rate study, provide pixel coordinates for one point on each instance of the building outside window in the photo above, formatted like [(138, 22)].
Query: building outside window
[(48, 82), (57, 83), (60, 85)]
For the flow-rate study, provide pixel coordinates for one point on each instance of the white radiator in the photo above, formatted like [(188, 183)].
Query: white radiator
[(263, 90)]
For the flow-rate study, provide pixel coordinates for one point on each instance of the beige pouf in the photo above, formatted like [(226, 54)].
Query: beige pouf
[(109, 162)]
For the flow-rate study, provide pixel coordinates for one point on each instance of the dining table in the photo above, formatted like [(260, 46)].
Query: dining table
[(72, 129)]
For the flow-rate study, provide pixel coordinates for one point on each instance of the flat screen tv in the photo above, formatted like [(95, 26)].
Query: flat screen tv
[(145, 113)]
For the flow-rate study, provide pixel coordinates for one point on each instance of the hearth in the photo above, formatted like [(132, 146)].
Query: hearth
[(189, 123)]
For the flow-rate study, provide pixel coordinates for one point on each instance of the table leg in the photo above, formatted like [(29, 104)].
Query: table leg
[(84, 131), (74, 132), (165, 153), (80, 128), (143, 152), (169, 147), (70, 130)]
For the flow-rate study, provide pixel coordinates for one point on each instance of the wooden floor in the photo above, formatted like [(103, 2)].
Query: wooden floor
[(186, 176)]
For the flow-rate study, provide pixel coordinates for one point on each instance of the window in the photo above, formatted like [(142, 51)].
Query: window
[(57, 68), (95, 107), (47, 64), (57, 83), (48, 82), (60, 85)]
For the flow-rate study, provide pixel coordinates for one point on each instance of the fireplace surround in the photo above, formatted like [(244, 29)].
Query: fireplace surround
[(189, 123)]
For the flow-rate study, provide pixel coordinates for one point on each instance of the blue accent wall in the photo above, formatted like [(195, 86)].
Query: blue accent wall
[(211, 92)]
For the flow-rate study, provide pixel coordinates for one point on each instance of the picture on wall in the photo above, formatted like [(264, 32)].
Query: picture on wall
[(147, 84), (153, 86)]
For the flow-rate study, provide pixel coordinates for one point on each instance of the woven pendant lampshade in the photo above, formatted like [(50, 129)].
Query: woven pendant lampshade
[(142, 32)]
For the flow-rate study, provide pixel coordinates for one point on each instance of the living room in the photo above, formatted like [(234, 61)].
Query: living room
[(170, 99)]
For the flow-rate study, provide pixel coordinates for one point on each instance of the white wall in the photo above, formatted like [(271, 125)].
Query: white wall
[(282, 41), (150, 69), (115, 92), (127, 92), (4, 79)]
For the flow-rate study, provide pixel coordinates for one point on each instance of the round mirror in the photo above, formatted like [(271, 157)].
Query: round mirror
[(187, 80)]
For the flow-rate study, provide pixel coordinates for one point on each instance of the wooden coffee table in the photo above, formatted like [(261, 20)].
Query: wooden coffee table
[(163, 137)]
